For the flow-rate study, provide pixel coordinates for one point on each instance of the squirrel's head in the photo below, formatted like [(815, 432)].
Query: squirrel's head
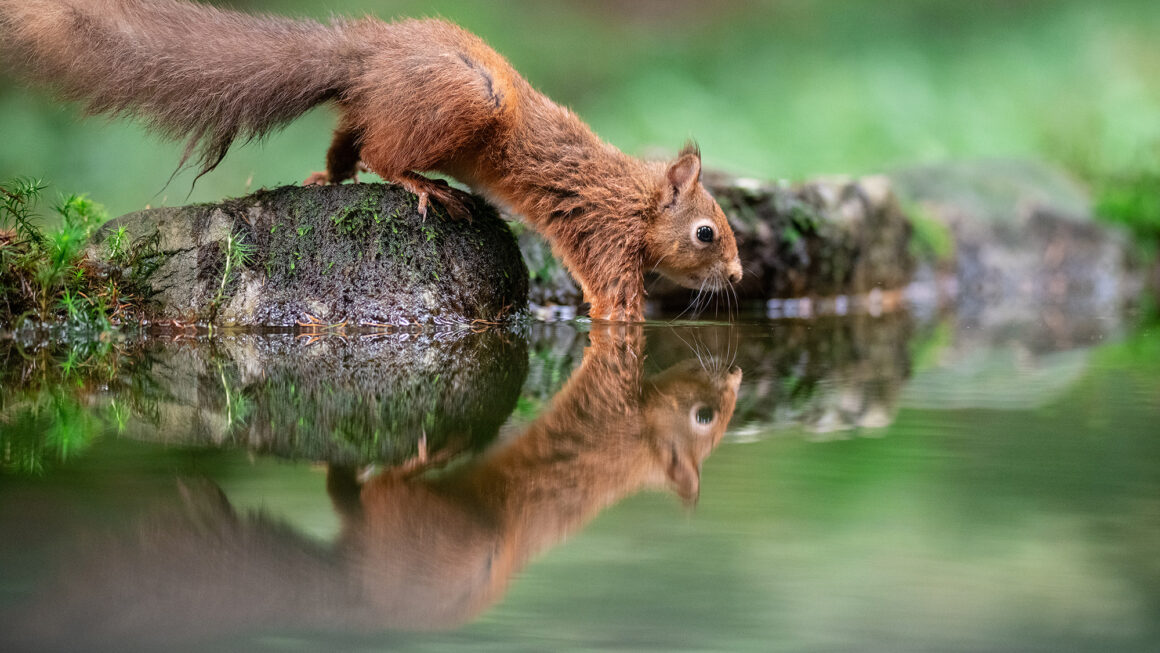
[(687, 409), (690, 240)]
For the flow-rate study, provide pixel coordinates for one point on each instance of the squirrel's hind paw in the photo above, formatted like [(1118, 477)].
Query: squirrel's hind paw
[(454, 201), (320, 178)]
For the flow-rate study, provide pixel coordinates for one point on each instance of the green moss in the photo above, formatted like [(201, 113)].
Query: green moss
[(801, 222), (237, 253), (45, 276), (1132, 200), (930, 239)]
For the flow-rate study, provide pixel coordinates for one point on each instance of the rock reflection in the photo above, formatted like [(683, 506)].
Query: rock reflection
[(352, 400), (345, 400), (828, 377), (416, 550)]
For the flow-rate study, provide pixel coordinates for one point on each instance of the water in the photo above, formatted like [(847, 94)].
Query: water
[(856, 483)]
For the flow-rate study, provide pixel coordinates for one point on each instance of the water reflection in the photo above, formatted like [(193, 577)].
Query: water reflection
[(1011, 485), (416, 550), (394, 400)]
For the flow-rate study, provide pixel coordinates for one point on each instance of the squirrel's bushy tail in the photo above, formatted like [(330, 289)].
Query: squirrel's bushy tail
[(187, 70)]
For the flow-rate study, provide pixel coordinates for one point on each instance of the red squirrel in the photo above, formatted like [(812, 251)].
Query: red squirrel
[(413, 96)]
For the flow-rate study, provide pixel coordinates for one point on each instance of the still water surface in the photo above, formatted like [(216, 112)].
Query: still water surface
[(857, 483)]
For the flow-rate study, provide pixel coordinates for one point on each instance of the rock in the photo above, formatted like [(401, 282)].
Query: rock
[(356, 253), (1024, 238), (825, 238), (551, 284), (1002, 237)]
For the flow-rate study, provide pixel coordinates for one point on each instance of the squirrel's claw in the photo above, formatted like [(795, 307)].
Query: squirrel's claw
[(454, 201), (423, 195)]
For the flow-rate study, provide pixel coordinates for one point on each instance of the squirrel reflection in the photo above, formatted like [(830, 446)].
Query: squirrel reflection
[(415, 552), (435, 552)]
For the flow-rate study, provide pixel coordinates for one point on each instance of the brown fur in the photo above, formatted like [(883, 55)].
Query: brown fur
[(416, 95)]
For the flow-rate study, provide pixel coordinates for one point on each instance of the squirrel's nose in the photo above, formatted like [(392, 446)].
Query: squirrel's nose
[(735, 271)]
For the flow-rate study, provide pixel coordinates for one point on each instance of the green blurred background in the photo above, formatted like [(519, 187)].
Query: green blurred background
[(776, 89)]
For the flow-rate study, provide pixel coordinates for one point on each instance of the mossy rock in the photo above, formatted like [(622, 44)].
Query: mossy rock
[(356, 253)]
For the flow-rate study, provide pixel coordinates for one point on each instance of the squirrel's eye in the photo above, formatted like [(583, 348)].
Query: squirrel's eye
[(704, 414), (705, 234)]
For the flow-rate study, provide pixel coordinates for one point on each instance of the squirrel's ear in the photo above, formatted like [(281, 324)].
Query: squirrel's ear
[(686, 171), (685, 478)]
